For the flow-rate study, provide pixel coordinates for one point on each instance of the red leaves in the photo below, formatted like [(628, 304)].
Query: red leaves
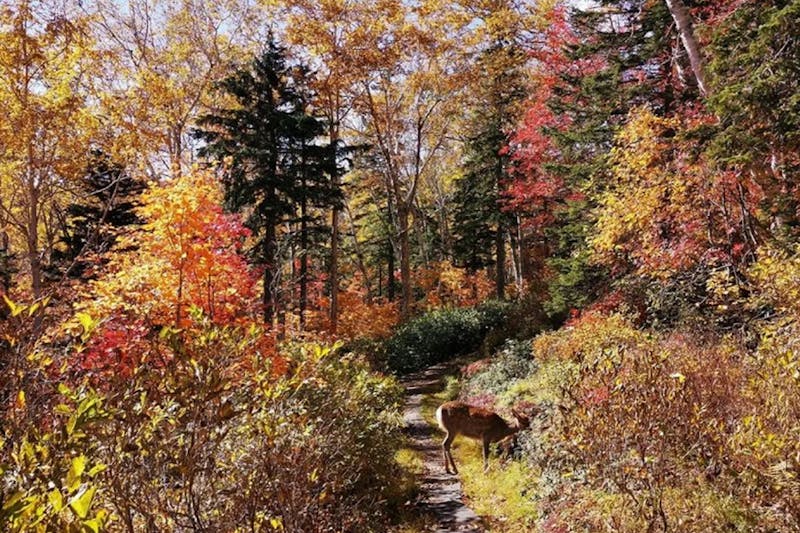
[(115, 351)]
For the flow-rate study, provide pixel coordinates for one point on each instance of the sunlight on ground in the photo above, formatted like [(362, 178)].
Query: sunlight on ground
[(407, 489), (500, 497)]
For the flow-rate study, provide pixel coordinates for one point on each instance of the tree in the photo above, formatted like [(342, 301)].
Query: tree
[(162, 59), (683, 22), (108, 198), (754, 75), (474, 206), (45, 126), (186, 255), (596, 64), (267, 142), (497, 105)]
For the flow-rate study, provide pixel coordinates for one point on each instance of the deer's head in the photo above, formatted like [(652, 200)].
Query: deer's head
[(524, 414)]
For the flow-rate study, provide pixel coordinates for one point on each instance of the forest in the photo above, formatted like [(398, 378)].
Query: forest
[(231, 229)]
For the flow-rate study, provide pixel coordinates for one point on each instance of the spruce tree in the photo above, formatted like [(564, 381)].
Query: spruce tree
[(478, 214), (109, 197), (276, 168), (631, 48)]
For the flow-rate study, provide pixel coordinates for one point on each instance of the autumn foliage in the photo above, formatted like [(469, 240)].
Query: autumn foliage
[(223, 224)]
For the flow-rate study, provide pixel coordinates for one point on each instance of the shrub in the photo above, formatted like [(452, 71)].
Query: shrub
[(441, 335), (207, 429), (220, 442), (512, 363)]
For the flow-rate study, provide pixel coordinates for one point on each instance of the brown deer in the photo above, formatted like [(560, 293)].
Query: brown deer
[(459, 418)]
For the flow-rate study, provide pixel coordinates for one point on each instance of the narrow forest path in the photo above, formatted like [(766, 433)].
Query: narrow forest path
[(441, 495)]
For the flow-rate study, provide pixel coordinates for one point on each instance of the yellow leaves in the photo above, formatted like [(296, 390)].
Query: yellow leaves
[(776, 278), (76, 469), (678, 376), (652, 212), (82, 501)]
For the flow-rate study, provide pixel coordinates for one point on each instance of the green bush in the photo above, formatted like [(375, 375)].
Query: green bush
[(512, 363), (441, 335)]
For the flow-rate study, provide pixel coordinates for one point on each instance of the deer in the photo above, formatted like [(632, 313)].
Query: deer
[(459, 418)]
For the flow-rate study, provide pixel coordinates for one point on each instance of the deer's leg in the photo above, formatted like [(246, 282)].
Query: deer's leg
[(448, 457), (486, 443)]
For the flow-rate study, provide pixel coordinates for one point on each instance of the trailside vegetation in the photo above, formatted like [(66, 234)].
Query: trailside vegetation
[(225, 227)]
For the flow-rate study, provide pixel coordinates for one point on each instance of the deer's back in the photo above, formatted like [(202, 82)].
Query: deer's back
[(471, 421)]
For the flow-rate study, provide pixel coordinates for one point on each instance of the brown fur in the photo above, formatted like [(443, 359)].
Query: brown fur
[(459, 418)]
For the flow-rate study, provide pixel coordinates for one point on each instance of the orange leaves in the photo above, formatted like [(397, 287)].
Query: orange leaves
[(359, 318), (185, 256), (443, 284)]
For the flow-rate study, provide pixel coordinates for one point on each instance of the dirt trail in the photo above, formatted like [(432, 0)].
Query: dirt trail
[(441, 495)]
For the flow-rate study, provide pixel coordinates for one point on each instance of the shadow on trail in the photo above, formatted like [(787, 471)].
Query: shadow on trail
[(440, 493)]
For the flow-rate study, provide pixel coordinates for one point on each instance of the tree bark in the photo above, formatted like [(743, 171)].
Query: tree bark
[(405, 258), (270, 248), (500, 238), (360, 260), (303, 260), (333, 273), (683, 21), (390, 272), (500, 244)]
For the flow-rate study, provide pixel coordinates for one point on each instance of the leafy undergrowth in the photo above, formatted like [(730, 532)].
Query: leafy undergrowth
[(441, 335), (210, 429), (640, 430)]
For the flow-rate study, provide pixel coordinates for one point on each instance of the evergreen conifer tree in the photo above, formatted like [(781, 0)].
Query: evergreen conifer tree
[(108, 203), (276, 168)]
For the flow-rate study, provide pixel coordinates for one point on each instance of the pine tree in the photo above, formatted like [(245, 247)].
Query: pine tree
[(107, 206), (274, 163)]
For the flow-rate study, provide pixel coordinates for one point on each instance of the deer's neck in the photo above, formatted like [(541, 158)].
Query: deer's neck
[(511, 429)]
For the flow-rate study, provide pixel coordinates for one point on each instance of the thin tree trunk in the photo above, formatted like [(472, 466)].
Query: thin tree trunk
[(683, 21), (334, 264), (362, 265), (500, 244), (5, 263), (516, 263), (405, 258), (380, 279), (390, 273), (303, 259), (500, 238), (270, 246)]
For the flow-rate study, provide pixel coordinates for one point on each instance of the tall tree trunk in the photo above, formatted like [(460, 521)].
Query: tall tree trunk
[(5, 263), (303, 259), (500, 244), (516, 262), (405, 257), (380, 279), (34, 258), (683, 22), (360, 261), (500, 237), (390, 271), (270, 249), (333, 274)]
